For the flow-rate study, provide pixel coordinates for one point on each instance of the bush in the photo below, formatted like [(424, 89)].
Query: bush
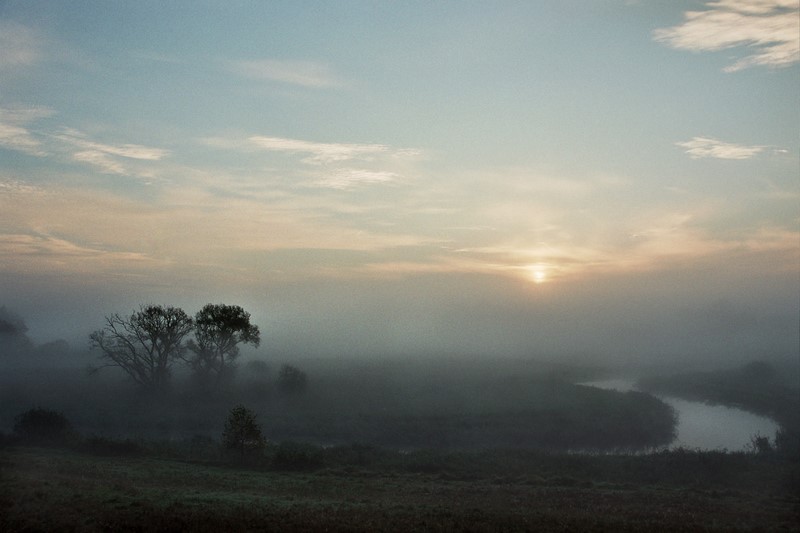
[(298, 456), (787, 443), (292, 380), (109, 447), (203, 447), (43, 427), (242, 434)]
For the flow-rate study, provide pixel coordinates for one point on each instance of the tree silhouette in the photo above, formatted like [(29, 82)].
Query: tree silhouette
[(292, 380), (13, 338), (242, 433), (145, 344), (218, 331), (42, 427)]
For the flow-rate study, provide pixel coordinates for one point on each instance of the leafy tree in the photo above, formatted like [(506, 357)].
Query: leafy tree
[(145, 344), (13, 338), (292, 380), (42, 426), (242, 433), (219, 330)]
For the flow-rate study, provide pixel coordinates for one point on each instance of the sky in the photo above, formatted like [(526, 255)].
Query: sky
[(524, 178)]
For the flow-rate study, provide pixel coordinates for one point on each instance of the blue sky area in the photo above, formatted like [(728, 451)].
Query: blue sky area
[(605, 176)]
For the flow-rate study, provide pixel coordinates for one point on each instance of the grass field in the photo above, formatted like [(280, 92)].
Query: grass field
[(58, 490)]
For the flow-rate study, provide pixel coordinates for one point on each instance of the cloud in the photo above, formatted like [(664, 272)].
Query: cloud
[(12, 186), (14, 133), (19, 45), (350, 178), (701, 147), (131, 151), (320, 152), (303, 73), (105, 157), (769, 27), (47, 253), (100, 160)]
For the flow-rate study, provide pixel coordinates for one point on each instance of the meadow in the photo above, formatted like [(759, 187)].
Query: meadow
[(391, 447), (369, 489)]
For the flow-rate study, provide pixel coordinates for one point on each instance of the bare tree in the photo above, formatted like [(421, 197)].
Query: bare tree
[(218, 331), (144, 344)]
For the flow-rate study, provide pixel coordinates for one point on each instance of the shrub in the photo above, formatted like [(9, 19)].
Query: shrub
[(200, 448), (242, 434), (298, 456), (787, 443), (292, 380), (109, 447), (760, 445), (43, 427)]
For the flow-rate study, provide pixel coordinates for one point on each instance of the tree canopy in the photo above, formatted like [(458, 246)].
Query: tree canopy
[(242, 433), (144, 344), (219, 329)]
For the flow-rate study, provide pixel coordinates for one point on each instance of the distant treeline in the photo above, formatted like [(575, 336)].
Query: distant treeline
[(383, 406)]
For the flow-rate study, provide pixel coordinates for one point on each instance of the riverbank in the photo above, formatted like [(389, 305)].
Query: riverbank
[(756, 387), (378, 490), (705, 426)]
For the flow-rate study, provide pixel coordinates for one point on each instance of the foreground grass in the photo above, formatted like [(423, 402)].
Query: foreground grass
[(47, 489)]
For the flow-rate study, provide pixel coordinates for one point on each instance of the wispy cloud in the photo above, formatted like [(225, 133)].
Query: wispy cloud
[(304, 73), (702, 147), (320, 153), (131, 151), (20, 46), (101, 160), (769, 27), (106, 157), (14, 131), (13, 186), (16, 134), (350, 178), (44, 253)]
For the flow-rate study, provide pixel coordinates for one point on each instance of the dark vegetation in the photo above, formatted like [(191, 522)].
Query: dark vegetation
[(42, 427), (436, 444), (146, 344), (456, 405), (757, 387), (242, 435), (300, 487)]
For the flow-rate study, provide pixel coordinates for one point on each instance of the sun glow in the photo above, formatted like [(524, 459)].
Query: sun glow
[(537, 273)]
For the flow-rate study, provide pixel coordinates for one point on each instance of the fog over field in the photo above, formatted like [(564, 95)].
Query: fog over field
[(697, 318), (598, 184)]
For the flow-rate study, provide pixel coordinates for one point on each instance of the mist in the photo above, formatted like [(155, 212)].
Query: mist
[(699, 316)]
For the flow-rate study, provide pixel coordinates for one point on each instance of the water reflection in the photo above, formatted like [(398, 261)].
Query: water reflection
[(707, 427)]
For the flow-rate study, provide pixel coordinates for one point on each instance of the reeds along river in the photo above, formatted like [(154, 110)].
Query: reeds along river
[(707, 427)]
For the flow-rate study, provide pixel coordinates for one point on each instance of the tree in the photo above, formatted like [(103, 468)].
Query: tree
[(242, 433), (292, 380), (218, 331), (13, 338), (42, 426), (145, 344)]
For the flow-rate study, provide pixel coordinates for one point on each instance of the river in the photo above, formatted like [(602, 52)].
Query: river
[(707, 427)]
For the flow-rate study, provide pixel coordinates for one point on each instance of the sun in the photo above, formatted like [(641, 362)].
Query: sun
[(537, 273)]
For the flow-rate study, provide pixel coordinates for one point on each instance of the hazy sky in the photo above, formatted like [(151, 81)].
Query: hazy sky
[(594, 175)]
